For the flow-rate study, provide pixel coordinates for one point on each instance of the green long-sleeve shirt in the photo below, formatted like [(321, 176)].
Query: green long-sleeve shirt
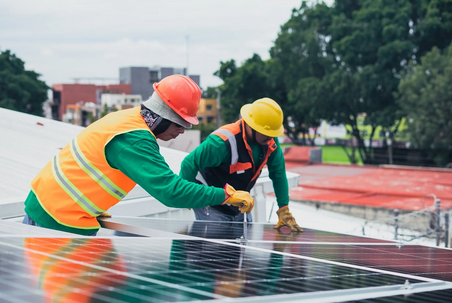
[(137, 155), (214, 152)]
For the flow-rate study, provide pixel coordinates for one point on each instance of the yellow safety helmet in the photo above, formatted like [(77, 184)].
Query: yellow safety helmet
[(264, 116)]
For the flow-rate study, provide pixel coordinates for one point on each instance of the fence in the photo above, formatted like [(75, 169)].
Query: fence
[(429, 223)]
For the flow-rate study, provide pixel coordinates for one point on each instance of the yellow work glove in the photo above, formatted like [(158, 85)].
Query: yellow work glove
[(104, 215), (239, 198), (286, 219)]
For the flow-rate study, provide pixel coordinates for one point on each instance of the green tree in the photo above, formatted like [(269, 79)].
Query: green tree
[(355, 53), (299, 61), (425, 98), (371, 46), (375, 42), (210, 93), (339, 63), (242, 85), (20, 89), (227, 69), (105, 111)]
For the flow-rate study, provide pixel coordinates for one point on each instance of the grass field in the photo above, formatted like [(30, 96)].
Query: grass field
[(337, 155), (333, 154)]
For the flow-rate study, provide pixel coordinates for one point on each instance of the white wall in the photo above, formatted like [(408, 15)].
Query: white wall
[(186, 142), (120, 100)]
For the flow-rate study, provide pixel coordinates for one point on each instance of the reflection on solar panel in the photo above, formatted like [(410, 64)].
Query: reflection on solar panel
[(233, 230), (179, 261)]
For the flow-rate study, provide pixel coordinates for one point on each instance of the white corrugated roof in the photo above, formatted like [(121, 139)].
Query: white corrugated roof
[(27, 143)]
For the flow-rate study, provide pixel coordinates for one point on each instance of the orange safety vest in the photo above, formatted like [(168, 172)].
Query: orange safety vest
[(241, 172), (78, 184)]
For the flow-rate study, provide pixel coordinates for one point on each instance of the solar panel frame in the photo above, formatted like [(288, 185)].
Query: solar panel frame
[(177, 266)]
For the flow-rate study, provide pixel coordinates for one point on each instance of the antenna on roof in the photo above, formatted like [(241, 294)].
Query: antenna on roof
[(187, 37)]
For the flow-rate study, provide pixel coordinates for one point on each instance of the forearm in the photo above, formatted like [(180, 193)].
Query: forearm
[(282, 193), (173, 191), (141, 161), (277, 173)]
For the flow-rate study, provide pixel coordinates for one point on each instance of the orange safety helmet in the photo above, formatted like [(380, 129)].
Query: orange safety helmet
[(181, 94)]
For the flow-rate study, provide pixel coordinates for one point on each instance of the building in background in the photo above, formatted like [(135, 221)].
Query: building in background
[(88, 112), (82, 115), (120, 101), (80, 94), (82, 104), (207, 112), (141, 79)]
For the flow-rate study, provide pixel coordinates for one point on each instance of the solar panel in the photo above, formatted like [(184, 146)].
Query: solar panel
[(167, 270), (179, 261)]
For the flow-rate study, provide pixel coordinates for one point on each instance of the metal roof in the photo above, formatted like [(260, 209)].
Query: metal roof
[(27, 143)]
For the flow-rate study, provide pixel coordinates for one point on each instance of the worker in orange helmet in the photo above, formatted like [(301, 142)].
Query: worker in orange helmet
[(235, 154), (107, 159)]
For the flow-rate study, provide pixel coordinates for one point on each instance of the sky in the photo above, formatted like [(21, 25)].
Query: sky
[(91, 39)]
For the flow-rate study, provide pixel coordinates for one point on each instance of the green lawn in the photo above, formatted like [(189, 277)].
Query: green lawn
[(336, 155), (333, 154)]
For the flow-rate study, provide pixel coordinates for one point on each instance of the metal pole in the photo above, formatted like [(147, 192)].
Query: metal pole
[(396, 223), (245, 226), (271, 212), (218, 107), (438, 222), (446, 236), (389, 136)]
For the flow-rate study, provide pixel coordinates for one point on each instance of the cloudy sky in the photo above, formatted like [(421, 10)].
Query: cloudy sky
[(67, 39)]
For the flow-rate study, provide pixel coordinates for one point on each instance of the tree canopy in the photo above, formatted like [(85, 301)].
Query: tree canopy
[(20, 89), (242, 85), (340, 62), (425, 99)]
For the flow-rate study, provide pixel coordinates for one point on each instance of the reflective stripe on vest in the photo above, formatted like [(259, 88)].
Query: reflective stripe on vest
[(73, 191), (232, 142), (95, 173)]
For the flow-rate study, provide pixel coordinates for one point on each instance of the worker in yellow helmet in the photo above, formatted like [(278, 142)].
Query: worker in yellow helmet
[(235, 154), (105, 161)]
